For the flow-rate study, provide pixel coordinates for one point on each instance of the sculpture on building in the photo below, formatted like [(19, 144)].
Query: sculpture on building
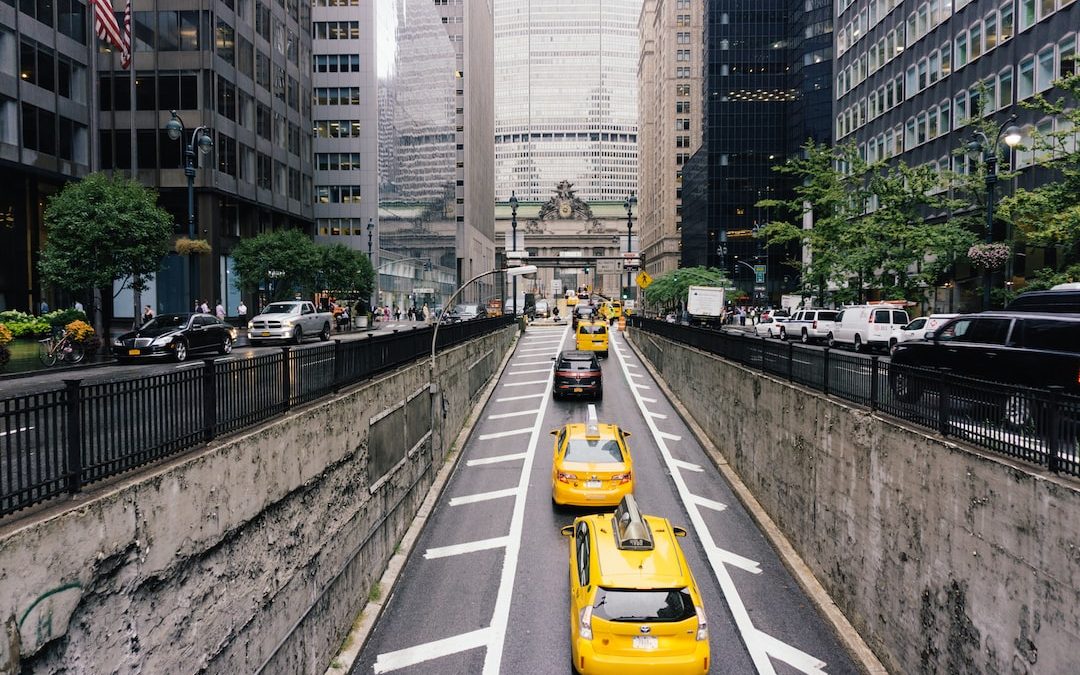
[(565, 205)]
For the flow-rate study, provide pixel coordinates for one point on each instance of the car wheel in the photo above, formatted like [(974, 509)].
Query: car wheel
[(831, 341), (1019, 413), (226, 346), (325, 334), (770, 332), (892, 343), (858, 343), (180, 351), (904, 386), (783, 334), (298, 335), (805, 338)]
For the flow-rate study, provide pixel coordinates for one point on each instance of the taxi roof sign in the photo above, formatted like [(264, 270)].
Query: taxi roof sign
[(592, 423), (631, 531)]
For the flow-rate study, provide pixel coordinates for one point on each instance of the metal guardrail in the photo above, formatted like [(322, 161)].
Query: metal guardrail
[(1041, 426), (58, 441)]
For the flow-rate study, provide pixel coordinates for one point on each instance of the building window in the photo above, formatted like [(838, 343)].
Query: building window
[(1067, 57), (1044, 70), (961, 50), (1025, 81), (1027, 14), (1005, 32)]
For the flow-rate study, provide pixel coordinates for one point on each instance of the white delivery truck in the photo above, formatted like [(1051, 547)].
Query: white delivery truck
[(705, 305)]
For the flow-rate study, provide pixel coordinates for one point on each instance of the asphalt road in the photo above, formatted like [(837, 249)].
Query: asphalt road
[(486, 588)]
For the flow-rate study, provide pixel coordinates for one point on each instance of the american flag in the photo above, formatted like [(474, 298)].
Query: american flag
[(108, 29)]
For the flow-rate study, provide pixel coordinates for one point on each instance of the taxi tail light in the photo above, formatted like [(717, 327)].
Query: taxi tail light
[(814, 326), (702, 624), (566, 477), (621, 478), (585, 627)]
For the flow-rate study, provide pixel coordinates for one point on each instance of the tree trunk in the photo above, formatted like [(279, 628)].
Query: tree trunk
[(99, 319), (136, 293)]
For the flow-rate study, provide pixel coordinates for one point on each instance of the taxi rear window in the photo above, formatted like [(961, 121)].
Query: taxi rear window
[(596, 451), (592, 330), (674, 604)]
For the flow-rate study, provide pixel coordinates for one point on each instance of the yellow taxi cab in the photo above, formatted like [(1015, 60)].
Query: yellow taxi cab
[(634, 605), (571, 300), (614, 310), (592, 336), (591, 465)]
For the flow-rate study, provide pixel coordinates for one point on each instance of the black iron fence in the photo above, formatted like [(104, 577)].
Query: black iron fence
[(57, 441), (1041, 426)]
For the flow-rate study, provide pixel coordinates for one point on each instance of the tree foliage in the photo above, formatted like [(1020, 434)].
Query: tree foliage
[(101, 229), (671, 289), (288, 261)]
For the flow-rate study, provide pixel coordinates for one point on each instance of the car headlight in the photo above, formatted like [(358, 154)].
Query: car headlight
[(251, 325), (163, 340), (117, 343), (287, 323)]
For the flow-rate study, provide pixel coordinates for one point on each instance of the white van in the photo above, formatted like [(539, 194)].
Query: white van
[(865, 326)]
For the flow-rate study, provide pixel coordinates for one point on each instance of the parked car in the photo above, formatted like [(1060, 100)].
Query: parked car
[(918, 328), (809, 325), (1061, 298), (578, 373), (291, 320), (769, 327), (1031, 349), (863, 326), (175, 336), (467, 312)]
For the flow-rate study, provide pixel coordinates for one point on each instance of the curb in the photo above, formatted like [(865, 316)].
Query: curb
[(371, 611), (856, 647)]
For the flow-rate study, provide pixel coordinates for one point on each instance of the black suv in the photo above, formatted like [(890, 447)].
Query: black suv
[(1054, 301), (582, 312), (577, 373)]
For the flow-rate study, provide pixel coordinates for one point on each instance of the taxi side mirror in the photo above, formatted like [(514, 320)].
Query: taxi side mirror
[(554, 432), (625, 434), (679, 532), (928, 335), (567, 531)]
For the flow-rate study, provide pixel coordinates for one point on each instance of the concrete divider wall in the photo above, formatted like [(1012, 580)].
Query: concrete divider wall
[(257, 552), (944, 559)]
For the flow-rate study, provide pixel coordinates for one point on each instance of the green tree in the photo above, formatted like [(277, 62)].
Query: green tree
[(671, 289), (102, 229), (345, 272), (285, 260), (1049, 215)]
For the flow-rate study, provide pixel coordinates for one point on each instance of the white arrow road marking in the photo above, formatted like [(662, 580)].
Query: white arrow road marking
[(648, 400), (483, 497), (708, 503), (685, 465), (659, 416), (504, 434), (411, 656), (760, 646), (672, 437), (635, 385), (502, 416), (467, 547), (495, 460)]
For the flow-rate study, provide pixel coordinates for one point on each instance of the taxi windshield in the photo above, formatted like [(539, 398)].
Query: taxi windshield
[(596, 451), (673, 604)]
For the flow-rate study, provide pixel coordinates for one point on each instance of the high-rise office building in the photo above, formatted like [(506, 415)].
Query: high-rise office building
[(670, 110), (436, 128), (566, 98), (911, 75)]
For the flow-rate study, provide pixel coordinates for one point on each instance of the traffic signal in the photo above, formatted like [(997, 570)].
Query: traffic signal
[(586, 270)]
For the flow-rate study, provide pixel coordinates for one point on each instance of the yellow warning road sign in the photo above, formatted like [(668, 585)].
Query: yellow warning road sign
[(643, 279)]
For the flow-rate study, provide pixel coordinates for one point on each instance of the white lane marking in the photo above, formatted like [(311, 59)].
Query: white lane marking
[(411, 656), (734, 559), (648, 400), (696, 468), (504, 434), (523, 384), (659, 416), (483, 497), (502, 416), (529, 372), (15, 431), (495, 460), (708, 503), (635, 385), (631, 365), (467, 547), (532, 363), (500, 617), (760, 648), (636, 374), (670, 437), (796, 658), (532, 351), (542, 341), (504, 399)]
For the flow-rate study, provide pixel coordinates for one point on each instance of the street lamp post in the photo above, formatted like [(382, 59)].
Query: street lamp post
[(989, 149), (370, 227), (513, 243), (375, 284), (630, 203), (199, 137)]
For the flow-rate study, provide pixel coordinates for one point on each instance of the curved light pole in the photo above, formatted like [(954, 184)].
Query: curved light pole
[(199, 137), (629, 204), (1011, 136)]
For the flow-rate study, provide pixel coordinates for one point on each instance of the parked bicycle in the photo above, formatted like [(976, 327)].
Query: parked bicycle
[(61, 348)]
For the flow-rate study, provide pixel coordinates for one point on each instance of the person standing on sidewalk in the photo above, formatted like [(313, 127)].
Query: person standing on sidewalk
[(241, 312), (427, 314), (219, 311)]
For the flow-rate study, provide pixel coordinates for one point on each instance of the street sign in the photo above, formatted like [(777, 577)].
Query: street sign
[(556, 287), (423, 291), (517, 254), (759, 274), (644, 279), (607, 267)]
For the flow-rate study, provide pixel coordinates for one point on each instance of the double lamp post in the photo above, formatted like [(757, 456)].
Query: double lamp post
[(1010, 133), (200, 138)]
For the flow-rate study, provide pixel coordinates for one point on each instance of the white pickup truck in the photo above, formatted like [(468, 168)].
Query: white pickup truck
[(289, 320)]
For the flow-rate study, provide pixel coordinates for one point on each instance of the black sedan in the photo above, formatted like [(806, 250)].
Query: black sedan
[(175, 336)]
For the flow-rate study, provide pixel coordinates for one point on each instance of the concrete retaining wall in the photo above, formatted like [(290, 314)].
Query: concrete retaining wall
[(944, 559), (255, 553)]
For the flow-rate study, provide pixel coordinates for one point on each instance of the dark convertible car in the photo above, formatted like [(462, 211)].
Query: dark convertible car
[(175, 336)]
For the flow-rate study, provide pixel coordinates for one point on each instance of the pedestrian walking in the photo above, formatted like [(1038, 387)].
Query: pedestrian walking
[(426, 311), (147, 314), (43, 308), (397, 313), (219, 311), (241, 311), (204, 308)]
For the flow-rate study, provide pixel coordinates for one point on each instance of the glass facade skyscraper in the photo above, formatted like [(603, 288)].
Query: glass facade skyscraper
[(566, 97)]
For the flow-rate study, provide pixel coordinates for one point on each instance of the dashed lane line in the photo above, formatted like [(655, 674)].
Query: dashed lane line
[(524, 384), (467, 547), (411, 656), (529, 372), (502, 416), (504, 434), (495, 460), (483, 497), (531, 363), (506, 399)]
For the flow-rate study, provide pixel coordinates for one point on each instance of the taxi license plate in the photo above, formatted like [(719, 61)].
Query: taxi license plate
[(577, 390), (646, 642), (593, 483), (266, 333), (134, 352)]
